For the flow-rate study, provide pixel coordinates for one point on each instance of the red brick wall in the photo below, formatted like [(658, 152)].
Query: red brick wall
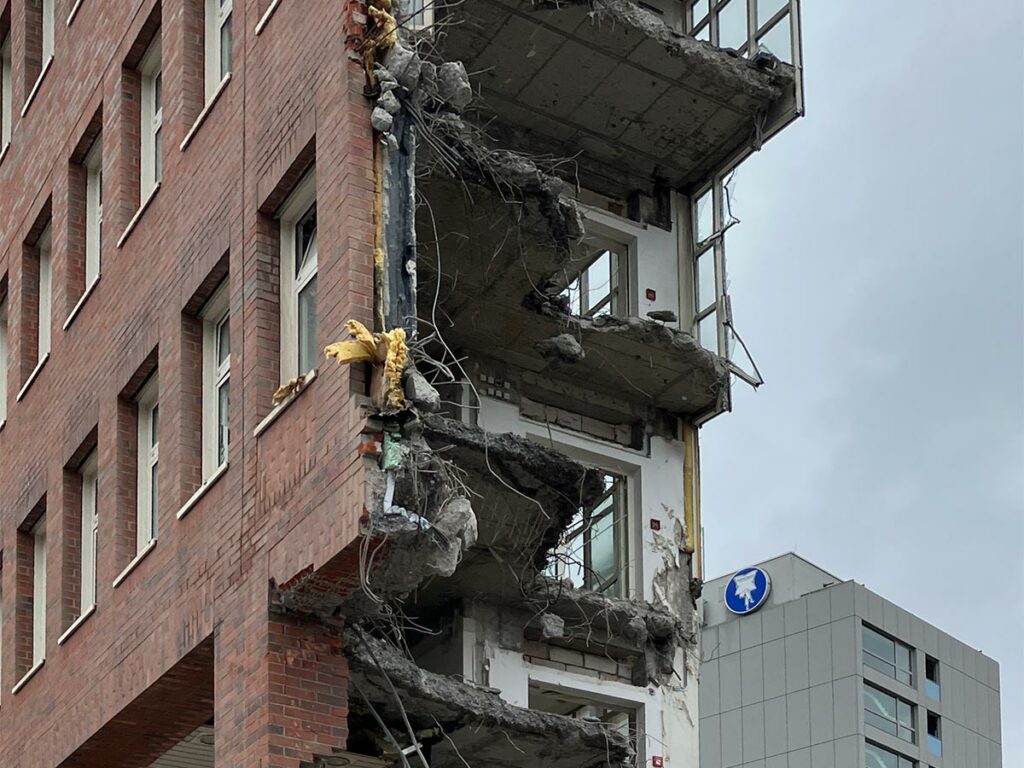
[(291, 497)]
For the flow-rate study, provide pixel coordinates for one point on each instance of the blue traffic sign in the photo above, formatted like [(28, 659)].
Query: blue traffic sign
[(747, 590)]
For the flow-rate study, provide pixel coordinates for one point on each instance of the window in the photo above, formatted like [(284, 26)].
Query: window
[(934, 734), (39, 592), (299, 352), (592, 552), (44, 246), (151, 135), (879, 757), (6, 103), (619, 716), (888, 656), (90, 526), (3, 359), (48, 29), (931, 678), (218, 44), (889, 713), (706, 269), (601, 286), (148, 458), (216, 375), (93, 211), (421, 14)]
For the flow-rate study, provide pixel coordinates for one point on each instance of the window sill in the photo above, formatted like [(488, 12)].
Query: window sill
[(76, 624), (279, 409), (265, 19), (80, 303), (206, 111), (35, 88), (201, 491), (32, 377), (74, 11), (134, 563), (3, 151), (28, 676), (138, 215)]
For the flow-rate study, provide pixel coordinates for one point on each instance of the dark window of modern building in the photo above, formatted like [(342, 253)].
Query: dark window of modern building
[(879, 757), (889, 713), (888, 656), (931, 678), (934, 734)]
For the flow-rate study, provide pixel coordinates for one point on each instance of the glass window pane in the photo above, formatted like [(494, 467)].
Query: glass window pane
[(305, 241), (154, 426), (706, 295), (732, 25), (603, 550), (707, 330), (704, 33), (574, 561), (779, 40), (705, 217), (158, 155), (223, 405), (876, 757), (881, 723), (223, 340), (307, 327), (879, 645), (225, 47), (884, 667), (599, 279), (158, 92), (700, 10), (768, 8), (153, 501)]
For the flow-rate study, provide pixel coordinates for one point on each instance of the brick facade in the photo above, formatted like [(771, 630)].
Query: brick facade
[(191, 626)]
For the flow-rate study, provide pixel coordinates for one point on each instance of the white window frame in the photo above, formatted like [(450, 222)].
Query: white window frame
[(151, 121), (616, 300), (93, 211), (292, 212), (216, 375), (49, 27), (45, 304), (6, 98), (218, 15), (39, 591), (420, 15), (4, 367), (90, 528), (147, 460)]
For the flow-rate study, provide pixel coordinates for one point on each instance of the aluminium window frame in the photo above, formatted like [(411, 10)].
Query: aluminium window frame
[(39, 591), (151, 119), (897, 725), (89, 474), (147, 462), (217, 14), (569, 551), (902, 761), (93, 164), (216, 376), (617, 300), (295, 208), (49, 29), (44, 307), (911, 672)]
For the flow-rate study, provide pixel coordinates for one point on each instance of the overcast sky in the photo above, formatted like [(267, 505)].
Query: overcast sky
[(878, 279)]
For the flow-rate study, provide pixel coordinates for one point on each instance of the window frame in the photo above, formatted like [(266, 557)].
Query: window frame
[(44, 307), (898, 726), (6, 97), (420, 16), (93, 164), (294, 210), (151, 119), (902, 761), (865, 652), (147, 463), (89, 474), (617, 300), (39, 591), (217, 16), (216, 376), (49, 30)]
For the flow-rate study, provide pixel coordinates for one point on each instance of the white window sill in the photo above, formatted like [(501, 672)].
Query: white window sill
[(74, 11), (265, 19), (3, 151), (201, 491), (80, 303), (138, 214), (206, 111), (2, 422), (134, 563), (35, 88), (279, 409), (28, 676), (76, 624), (32, 377)]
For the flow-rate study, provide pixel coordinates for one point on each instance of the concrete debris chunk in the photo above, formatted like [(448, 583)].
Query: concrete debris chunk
[(456, 520), (405, 65), (453, 85), (563, 348), (389, 103), (420, 392), (552, 626), (663, 315), (381, 120)]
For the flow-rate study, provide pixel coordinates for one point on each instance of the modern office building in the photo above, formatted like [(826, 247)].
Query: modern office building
[(417, 486), (817, 672)]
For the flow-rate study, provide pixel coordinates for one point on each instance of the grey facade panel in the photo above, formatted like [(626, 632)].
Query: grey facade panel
[(752, 675), (777, 761), (841, 600), (800, 758), (750, 631), (822, 716), (775, 739), (848, 752), (709, 643), (709, 698), (728, 638), (773, 624), (798, 719), (753, 733), (732, 738), (796, 662), (729, 683), (844, 647), (774, 654), (796, 616), (846, 706), (819, 608), (819, 654), (711, 742), (823, 756)]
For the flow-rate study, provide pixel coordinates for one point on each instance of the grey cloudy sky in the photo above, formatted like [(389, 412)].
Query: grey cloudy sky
[(878, 278)]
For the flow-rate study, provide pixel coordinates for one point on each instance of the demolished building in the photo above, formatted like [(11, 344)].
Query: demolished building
[(468, 532)]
